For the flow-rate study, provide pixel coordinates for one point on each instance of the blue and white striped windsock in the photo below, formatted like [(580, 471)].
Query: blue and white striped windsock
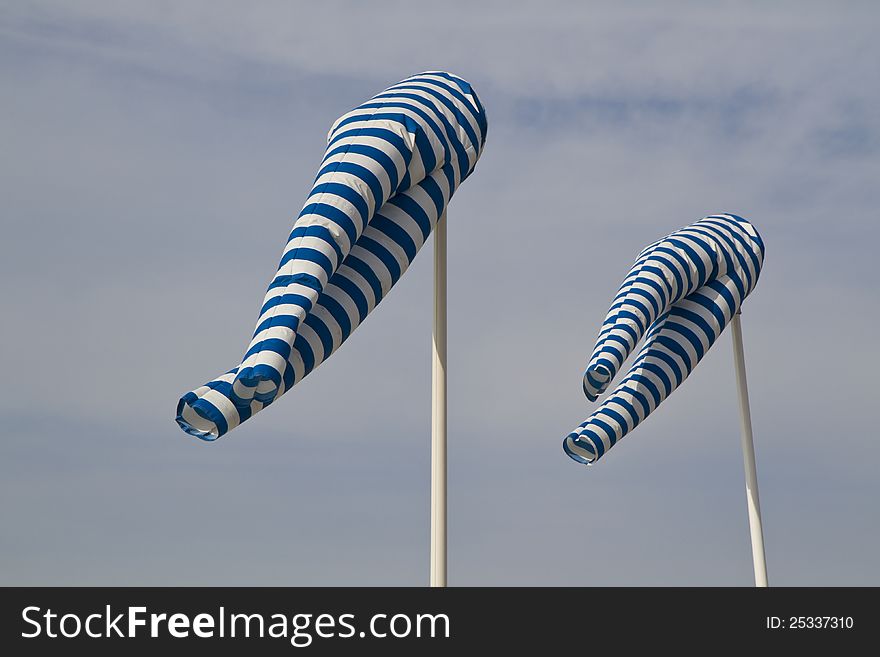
[(391, 167), (680, 294)]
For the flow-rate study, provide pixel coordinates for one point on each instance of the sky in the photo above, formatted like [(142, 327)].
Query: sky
[(154, 156)]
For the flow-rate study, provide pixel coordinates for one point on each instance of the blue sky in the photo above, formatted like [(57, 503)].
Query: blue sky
[(154, 156)]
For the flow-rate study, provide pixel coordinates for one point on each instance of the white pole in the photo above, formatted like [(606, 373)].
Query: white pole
[(438, 411), (748, 448)]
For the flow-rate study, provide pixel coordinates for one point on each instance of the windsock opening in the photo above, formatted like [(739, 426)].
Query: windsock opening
[(579, 449), (596, 379), (195, 421)]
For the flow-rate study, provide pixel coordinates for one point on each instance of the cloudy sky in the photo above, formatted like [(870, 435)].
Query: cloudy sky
[(154, 155)]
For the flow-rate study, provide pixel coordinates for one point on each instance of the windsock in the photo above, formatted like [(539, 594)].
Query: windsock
[(390, 168), (679, 295)]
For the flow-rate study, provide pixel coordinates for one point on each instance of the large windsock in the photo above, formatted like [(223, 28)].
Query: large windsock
[(680, 294), (390, 169)]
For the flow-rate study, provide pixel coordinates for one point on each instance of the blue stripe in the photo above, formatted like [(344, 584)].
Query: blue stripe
[(353, 292), (383, 255), (284, 299), (374, 154), (359, 172), (397, 234), (415, 212), (379, 133), (364, 270), (308, 254), (333, 214), (320, 328), (337, 312)]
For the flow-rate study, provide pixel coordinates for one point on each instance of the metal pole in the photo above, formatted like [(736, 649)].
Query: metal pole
[(438, 411), (748, 448)]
